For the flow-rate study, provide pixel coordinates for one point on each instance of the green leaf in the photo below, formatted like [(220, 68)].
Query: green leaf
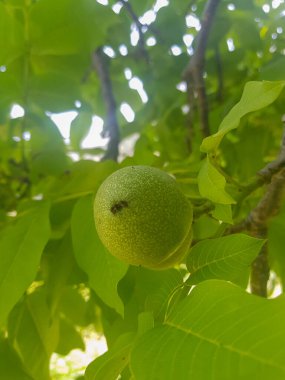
[(57, 265), (21, 246), (83, 177), (10, 364), (74, 307), (54, 92), (111, 364), (223, 213), (10, 89), (33, 334), (212, 184), (69, 338), (256, 95), (71, 29), (205, 227), (144, 290), (104, 270), (145, 322), (218, 332), (79, 128), (223, 258), (12, 42), (274, 70)]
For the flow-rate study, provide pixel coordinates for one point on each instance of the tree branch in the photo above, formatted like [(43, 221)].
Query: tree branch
[(257, 220), (111, 123), (128, 7), (195, 69)]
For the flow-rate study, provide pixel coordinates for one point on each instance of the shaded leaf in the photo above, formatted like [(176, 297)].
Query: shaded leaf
[(69, 338), (274, 70), (54, 92), (33, 334), (71, 29), (10, 364), (145, 322), (83, 177), (12, 45), (104, 270), (21, 246), (144, 290), (79, 128), (111, 364)]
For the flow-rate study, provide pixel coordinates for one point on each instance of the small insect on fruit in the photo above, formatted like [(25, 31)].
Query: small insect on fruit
[(118, 206)]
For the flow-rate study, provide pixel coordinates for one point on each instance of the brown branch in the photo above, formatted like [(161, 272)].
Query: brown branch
[(195, 69), (257, 220), (260, 272), (268, 207), (100, 63), (128, 7)]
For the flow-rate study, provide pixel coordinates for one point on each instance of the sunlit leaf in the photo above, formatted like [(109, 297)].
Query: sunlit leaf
[(212, 184), (256, 95), (219, 332), (223, 212), (222, 258)]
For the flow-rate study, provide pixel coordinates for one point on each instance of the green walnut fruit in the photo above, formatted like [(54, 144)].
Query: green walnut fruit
[(143, 218)]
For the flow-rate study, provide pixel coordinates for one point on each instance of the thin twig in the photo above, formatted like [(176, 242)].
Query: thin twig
[(111, 123), (141, 42), (195, 69)]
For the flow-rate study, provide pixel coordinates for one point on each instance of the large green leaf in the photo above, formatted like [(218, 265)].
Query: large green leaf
[(103, 269), (274, 70), (12, 32), (256, 95), (21, 246), (69, 338), (73, 28), (34, 334), (144, 290), (212, 184), (10, 89), (111, 364), (74, 308), (83, 177), (223, 258), (54, 92), (10, 365), (218, 332), (79, 128)]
